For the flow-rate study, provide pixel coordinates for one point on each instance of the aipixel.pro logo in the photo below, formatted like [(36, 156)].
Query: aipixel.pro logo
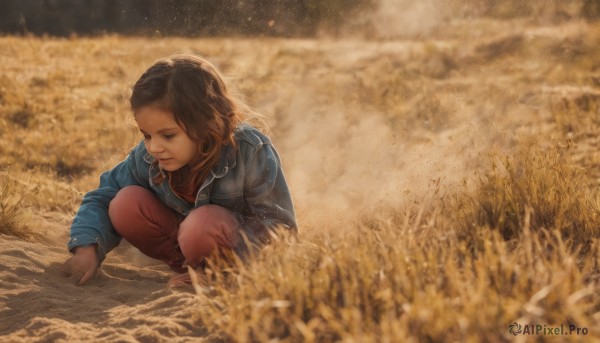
[(546, 330)]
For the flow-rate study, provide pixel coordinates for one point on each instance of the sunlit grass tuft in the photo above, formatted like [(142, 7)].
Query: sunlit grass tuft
[(15, 216), (537, 190)]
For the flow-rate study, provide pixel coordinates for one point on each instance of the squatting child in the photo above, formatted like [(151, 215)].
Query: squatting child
[(201, 181)]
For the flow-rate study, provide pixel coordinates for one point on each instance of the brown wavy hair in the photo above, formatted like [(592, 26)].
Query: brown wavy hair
[(193, 90)]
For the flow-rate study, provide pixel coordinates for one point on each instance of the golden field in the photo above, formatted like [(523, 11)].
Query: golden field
[(445, 182)]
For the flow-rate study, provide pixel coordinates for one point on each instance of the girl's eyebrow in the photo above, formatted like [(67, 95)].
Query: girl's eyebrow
[(167, 129), (163, 130)]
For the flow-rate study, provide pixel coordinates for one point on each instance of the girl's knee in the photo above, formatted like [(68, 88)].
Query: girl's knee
[(206, 230), (126, 197)]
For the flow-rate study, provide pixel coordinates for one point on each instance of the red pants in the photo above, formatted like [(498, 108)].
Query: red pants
[(161, 233)]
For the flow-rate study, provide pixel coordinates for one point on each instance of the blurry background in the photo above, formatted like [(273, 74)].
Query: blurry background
[(181, 17), (266, 17)]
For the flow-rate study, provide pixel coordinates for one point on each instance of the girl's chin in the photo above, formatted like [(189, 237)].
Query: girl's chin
[(169, 166)]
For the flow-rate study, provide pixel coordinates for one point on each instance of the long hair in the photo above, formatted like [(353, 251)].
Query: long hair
[(193, 90)]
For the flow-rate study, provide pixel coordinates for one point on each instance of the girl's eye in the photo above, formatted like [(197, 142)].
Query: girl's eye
[(169, 136), (146, 137)]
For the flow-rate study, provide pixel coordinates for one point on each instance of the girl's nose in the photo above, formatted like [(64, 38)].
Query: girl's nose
[(154, 146)]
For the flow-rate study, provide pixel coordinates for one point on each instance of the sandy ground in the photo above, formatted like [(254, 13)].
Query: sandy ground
[(127, 302)]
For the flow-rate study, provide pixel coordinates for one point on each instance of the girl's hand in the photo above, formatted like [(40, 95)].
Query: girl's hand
[(82, 266)]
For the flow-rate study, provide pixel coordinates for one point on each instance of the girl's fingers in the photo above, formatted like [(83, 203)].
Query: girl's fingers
[(87, 276), (77, 272), (73, 270)]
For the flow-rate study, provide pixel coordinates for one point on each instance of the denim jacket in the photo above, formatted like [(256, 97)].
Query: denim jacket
[(247, 180)]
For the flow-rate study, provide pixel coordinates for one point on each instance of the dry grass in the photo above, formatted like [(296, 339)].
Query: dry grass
[(409, 231), (527, 251), (389, 285), (539, 191), (15, 217)]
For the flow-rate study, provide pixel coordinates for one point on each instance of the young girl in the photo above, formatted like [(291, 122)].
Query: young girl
[(200, 182)]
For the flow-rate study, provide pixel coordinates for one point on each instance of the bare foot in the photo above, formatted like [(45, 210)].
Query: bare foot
[(196, 278)]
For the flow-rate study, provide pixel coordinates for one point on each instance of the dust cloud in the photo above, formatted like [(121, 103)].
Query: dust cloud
[(403, 18), (341, 167), (351, 150), (345, 160)]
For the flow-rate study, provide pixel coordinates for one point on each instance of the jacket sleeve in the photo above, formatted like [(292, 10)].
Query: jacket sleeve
[(92, 224), (267, 196)]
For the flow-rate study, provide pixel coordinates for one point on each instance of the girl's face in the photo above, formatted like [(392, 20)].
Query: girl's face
[(164, 138)]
